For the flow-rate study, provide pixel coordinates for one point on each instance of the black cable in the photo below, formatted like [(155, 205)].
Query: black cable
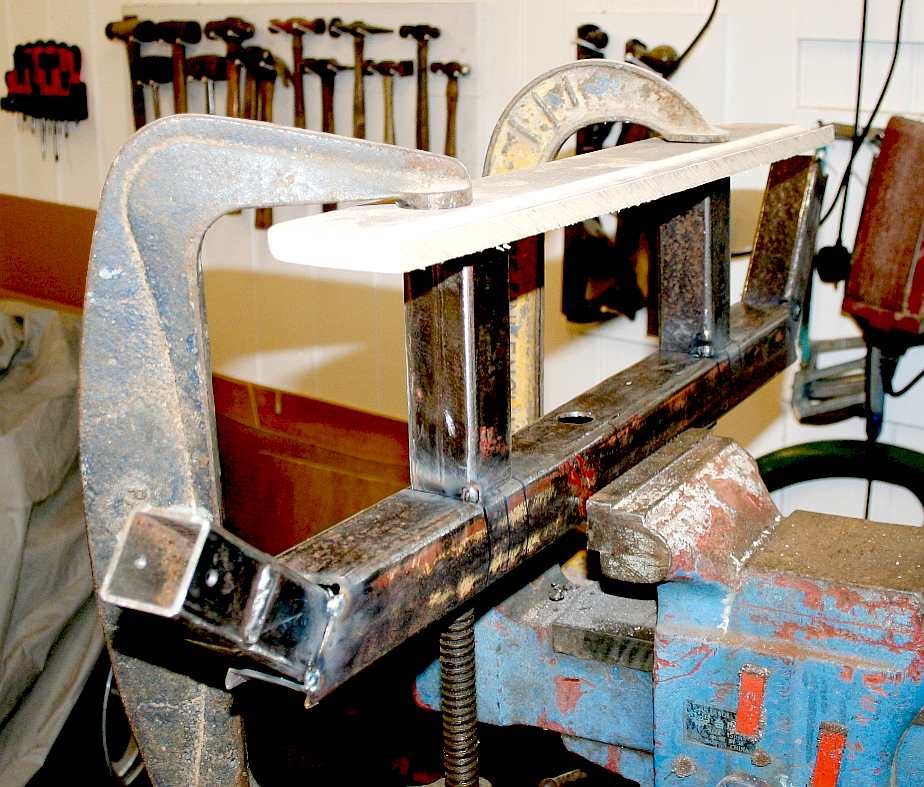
[(906, 388), (860, 138), (699, 35), (856, 123)]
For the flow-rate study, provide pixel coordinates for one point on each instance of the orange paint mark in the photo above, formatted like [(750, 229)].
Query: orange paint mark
[(751, 689), (545, 723), (812, 595), (613, 755), (847, 674), (876, 684), (567, 693), (703, 651), (845, 599), (831, 741)]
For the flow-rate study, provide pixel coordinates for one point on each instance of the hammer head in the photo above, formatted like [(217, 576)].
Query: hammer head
[(452, 69), (297, 26), (393, 68), (232, 30), (593, 36), (211, 67), (323, 66), (123, 29), (421, 32), (146, 31), (179, 32), (357, 29), (154, 70)]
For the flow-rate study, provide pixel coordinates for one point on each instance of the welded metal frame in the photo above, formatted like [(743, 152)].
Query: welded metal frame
[(412, 559)]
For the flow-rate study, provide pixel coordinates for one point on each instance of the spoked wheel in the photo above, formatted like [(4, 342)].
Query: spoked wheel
[(823, 459), (123, 758)]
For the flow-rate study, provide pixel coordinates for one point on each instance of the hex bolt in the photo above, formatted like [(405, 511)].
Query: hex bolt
[(458, 702), (760, 758), (471, 494), (556, 592), (682, 767)]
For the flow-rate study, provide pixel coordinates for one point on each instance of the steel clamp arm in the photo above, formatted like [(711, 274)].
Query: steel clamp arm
[(146, 409)]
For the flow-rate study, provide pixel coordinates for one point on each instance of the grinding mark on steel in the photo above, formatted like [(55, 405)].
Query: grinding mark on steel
[(543, 106), (570, 89), (521, 129)]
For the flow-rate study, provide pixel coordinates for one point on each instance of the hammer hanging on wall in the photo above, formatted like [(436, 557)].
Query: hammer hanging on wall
[(207, 69), (388, 70), (327, 69), (154, 71), (234, 31), (178, 34), (124, 31), (453, 70), (297, 27), (262, 68), (359, 30), (423, 34)]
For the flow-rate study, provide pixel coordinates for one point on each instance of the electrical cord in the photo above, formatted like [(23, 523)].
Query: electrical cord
[(856, 124), (858, 139), (699, 35), (904, 389)]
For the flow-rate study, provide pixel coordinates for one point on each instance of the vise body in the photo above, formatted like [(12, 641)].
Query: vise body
[(717, 643)]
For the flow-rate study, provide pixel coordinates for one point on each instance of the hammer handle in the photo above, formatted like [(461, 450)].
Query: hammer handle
[(133, 49), (423, 98), (452, 104), (263, 217), (233, 103), (299, 80), (327, 115), (249, 110), (359, 95), (388, 95), (179, 77)]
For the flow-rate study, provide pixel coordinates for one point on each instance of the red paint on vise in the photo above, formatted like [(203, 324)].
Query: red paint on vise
[(875, 683), (545, 723), (750, 703), (613, 756), (568, 691), (831, 740), (703, 651)]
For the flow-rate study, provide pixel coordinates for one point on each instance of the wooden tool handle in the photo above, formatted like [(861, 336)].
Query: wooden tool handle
[(359, 95), (179, 78), (299, 83), (452, 103), (263, 217), (423, 98), (388, 95)]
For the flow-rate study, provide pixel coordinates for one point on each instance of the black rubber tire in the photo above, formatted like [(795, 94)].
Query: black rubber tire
[(844, 459)]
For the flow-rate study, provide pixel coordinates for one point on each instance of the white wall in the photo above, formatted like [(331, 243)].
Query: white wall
[(340, 336)]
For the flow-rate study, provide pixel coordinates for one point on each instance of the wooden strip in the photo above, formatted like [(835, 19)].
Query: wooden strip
[(514, 205)]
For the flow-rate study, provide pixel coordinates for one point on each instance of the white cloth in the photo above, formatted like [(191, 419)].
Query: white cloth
[(49, 630)]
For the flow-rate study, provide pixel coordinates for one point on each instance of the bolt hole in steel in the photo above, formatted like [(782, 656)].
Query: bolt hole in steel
[(576, 417), (141, 562), (211, 577)]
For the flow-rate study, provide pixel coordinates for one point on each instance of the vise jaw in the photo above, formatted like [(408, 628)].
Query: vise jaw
[(786, 650)]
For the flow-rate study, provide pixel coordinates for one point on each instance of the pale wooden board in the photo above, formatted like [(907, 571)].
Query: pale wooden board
[(510, 206)]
